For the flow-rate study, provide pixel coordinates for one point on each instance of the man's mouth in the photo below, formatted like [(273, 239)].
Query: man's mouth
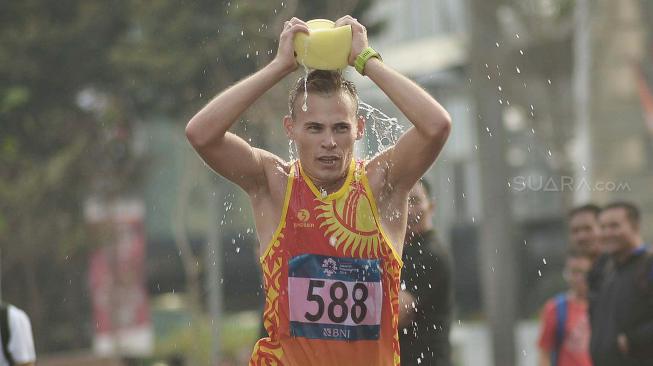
[(331, 159)]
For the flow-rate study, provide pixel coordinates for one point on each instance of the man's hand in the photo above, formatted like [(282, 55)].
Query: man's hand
[(406, 308), (622, 344), (358, 36), (286, 52)]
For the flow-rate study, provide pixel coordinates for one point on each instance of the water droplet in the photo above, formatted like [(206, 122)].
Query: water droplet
[(518, 70), (544, 260)]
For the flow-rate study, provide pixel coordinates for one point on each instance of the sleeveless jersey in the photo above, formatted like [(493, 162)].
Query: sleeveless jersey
[(331, 279)]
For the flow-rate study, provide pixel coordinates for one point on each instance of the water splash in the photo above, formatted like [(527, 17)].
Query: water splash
[(386, 130), (305, 105), (306, 71), (292, 151)]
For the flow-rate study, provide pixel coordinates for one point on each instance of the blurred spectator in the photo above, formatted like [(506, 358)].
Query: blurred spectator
[(622, 312), (16, 336), (565, 332), (585, 236), (426, 297), (584, 230)]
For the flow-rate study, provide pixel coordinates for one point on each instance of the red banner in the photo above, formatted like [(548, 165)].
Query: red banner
[(117, 280)]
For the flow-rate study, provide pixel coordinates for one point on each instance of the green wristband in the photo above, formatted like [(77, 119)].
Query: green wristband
[(363, 57)]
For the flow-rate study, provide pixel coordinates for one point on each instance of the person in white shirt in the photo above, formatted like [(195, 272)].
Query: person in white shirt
[(18, 348)]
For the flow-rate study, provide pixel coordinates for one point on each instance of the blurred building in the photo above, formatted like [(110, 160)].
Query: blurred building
[(428, 41), (621, 143)]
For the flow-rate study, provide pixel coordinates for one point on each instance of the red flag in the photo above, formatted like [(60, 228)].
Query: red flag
[(645, 88)]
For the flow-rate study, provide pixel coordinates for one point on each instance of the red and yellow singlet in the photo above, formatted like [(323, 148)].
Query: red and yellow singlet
[(331, 279)]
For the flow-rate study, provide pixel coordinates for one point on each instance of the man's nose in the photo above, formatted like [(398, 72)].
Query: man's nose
[(329, 142)]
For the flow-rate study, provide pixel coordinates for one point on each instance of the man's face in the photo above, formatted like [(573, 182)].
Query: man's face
[(576, 269), (584, 232), (617, 232), (419, 208), (325, 135)]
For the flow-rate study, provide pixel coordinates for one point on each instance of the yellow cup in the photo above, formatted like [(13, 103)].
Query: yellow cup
[(326, 47)]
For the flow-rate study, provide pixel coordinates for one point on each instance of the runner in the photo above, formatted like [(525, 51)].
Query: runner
[(331, 228)]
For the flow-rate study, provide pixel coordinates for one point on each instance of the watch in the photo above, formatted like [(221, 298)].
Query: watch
[(363, 57)]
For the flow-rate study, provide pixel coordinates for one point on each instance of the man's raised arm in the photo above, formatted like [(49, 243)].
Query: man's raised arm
[(226, 153), (416, 149)]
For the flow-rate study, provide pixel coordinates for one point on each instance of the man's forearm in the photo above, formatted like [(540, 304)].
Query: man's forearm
[(424, 112), (215, 119)]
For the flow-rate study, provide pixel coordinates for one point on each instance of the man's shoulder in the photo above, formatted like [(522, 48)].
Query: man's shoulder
[(550, 306), (16, 314), (276, 170)]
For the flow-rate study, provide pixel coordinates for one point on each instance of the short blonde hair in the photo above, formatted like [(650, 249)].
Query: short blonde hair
[(322, 82)]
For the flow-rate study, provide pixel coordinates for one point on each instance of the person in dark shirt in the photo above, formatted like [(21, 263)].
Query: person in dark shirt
[(426, 296), (621, 315)]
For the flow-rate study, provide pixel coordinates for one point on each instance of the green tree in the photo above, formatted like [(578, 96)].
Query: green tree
[(61, 139)]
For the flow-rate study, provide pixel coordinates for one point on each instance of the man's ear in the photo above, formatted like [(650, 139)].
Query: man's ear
[(288, 126), (360, 127)]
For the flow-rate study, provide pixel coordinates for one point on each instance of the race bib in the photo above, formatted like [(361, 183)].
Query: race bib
[(334, 298)]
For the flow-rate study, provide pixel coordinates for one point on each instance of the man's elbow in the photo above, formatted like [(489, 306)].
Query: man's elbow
[(440, 128), (194, 135)]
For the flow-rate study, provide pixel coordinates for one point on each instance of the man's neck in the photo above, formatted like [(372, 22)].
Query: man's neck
[(626, 254), (329, 187)]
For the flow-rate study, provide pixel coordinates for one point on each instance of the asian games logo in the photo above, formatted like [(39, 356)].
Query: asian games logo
[(330, 266)]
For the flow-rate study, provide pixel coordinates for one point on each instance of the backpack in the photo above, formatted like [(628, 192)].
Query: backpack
[(561, 304), (4, 332)]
